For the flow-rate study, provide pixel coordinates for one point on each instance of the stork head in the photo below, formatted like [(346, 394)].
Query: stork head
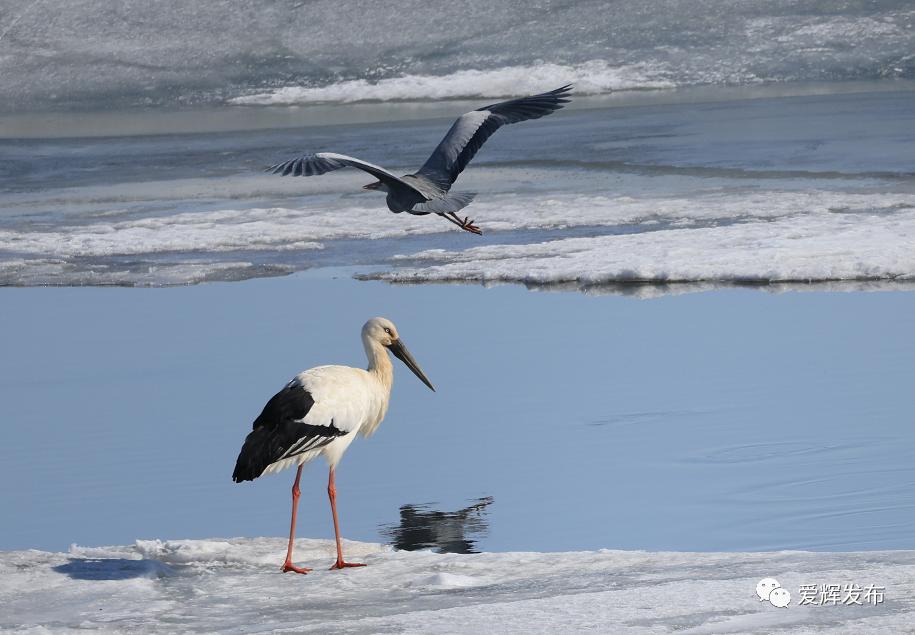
[(377, 185), (383, 331)]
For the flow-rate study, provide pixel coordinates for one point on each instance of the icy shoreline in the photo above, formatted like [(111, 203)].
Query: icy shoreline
[(233, 585), (818, 246), (760, 190)]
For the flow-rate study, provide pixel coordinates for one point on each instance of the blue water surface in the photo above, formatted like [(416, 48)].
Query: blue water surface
[(727, 420)]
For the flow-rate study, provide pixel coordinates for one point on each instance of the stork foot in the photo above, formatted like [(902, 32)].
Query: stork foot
[(288, 566), (339, 564)]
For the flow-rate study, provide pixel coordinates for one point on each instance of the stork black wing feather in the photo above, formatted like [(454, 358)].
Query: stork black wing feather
[(280, 433)]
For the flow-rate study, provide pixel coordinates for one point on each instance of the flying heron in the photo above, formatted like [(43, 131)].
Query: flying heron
[(428, 190), (320, 412)]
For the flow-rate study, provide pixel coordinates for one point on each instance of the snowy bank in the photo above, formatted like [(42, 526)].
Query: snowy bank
[(828, 246), (234, 585)]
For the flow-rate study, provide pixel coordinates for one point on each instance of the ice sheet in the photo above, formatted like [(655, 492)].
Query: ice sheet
[(774, 242), (234, 585), (84, 54)]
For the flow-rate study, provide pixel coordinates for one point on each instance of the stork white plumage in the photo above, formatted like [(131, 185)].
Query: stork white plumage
[(320, 412)]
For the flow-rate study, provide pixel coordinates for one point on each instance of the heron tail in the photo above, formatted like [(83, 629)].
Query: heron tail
[(450, 203)]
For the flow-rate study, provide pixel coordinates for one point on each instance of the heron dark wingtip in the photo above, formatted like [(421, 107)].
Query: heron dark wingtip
[(563, 94)]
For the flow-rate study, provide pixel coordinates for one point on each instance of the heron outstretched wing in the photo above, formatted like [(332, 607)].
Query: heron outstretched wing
[(472, 130), (322, 162)]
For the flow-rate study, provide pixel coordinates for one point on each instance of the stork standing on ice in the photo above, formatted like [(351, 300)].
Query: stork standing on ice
[(320, 412), (427, 191)]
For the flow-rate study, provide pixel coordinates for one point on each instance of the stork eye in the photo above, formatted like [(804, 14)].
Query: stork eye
[(387, 330)]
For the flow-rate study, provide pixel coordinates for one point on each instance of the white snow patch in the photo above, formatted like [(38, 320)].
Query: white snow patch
[(240, 551), (308, 227), (713, 234), (223, 230), (44, 271), (819, 246), (590, 78), (443, 580), (234, 585)]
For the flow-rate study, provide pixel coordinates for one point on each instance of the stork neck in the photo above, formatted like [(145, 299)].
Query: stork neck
[(379, 362)]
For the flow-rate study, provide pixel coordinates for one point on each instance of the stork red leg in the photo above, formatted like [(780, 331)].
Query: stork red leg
[(332, 494), (288, 566)]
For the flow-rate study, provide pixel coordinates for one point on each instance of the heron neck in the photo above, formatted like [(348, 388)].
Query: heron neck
[(379, 362)]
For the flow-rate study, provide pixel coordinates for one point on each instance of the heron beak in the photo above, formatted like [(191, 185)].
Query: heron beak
[(400, 352)]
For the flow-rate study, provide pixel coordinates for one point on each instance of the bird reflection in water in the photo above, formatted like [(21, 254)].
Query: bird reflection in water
[(446, 532)]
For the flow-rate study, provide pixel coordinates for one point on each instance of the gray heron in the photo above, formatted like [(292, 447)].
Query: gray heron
[(427, 191)]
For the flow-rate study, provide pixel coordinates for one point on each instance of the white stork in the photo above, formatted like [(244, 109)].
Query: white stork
[(320, 412)]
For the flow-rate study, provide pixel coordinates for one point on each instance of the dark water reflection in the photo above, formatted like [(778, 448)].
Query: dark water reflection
[(422, 527)]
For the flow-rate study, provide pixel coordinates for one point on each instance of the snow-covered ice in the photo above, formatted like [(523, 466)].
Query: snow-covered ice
[(734, 190), (234, 585), (716, 235), (81, 53), (818, 247), (592, 77)]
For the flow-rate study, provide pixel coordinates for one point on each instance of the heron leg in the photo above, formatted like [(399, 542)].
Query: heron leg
[(288, 566), (332, 494), (466, 224)]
